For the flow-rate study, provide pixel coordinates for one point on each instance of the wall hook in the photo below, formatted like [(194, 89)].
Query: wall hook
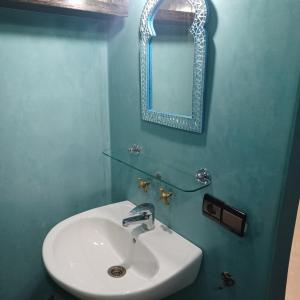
[(226, 280)]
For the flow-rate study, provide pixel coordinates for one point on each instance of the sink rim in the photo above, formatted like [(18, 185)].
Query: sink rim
[(158, 280)]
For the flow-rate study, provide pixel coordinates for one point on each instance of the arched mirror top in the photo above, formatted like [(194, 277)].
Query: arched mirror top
[(194, 11)]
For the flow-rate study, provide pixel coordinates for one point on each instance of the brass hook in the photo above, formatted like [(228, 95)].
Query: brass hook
[(165, 196), (143, 184)]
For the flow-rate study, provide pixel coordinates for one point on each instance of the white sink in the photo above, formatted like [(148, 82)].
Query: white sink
[(78, 252)]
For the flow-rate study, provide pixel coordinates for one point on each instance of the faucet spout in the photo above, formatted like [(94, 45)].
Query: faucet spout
[(142, 214)]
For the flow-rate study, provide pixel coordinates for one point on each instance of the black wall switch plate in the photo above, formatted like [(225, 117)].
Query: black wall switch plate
[(230, 217), (212, 207)]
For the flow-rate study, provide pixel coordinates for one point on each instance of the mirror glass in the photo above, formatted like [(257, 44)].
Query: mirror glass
[(172, 62), (172, 58)]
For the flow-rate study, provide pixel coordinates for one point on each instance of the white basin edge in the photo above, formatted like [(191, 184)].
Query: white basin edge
[(149, 239)]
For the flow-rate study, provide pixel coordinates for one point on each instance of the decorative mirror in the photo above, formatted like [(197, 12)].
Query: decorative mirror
[(172, 63)]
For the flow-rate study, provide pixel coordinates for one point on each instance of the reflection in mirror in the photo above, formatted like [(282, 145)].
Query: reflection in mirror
[(172, 58), (172, 63)]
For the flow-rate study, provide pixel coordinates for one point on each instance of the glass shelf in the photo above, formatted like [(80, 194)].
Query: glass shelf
[(162, 171)]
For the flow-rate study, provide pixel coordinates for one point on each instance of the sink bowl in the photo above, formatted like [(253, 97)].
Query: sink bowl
[(92, 256)]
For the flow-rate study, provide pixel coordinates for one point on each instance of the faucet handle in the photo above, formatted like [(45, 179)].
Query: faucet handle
[(165, 196), (143, 184), (142, 209)]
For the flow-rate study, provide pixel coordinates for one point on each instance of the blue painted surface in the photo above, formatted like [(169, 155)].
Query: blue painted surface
[(253, 69), (53, 123)]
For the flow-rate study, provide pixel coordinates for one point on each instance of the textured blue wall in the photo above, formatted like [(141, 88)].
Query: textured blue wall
[(54, 122), (53, 125), (253, 73)]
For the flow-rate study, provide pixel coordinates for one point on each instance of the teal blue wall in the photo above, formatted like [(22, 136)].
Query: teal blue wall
[(53, 125), (54, 122), (253, 73)]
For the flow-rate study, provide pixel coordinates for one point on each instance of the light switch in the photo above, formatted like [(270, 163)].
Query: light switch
[(230, 217), (212, 207)]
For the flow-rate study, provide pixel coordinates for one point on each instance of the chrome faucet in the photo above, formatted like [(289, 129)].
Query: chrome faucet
[(142, 214)]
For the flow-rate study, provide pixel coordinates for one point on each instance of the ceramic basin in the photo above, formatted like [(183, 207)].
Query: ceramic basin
[(79, 251)]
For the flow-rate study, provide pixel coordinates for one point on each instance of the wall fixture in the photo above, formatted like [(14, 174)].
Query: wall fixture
[(143, 184), (226, 215), (203, 176), (135, 148), (226, 280), (173, 62), (165, 196)]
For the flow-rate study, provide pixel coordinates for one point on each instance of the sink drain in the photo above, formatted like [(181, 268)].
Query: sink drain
[(116, 271)]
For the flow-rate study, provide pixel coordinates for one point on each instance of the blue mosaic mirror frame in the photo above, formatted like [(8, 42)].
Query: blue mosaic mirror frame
[(195, 122)]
